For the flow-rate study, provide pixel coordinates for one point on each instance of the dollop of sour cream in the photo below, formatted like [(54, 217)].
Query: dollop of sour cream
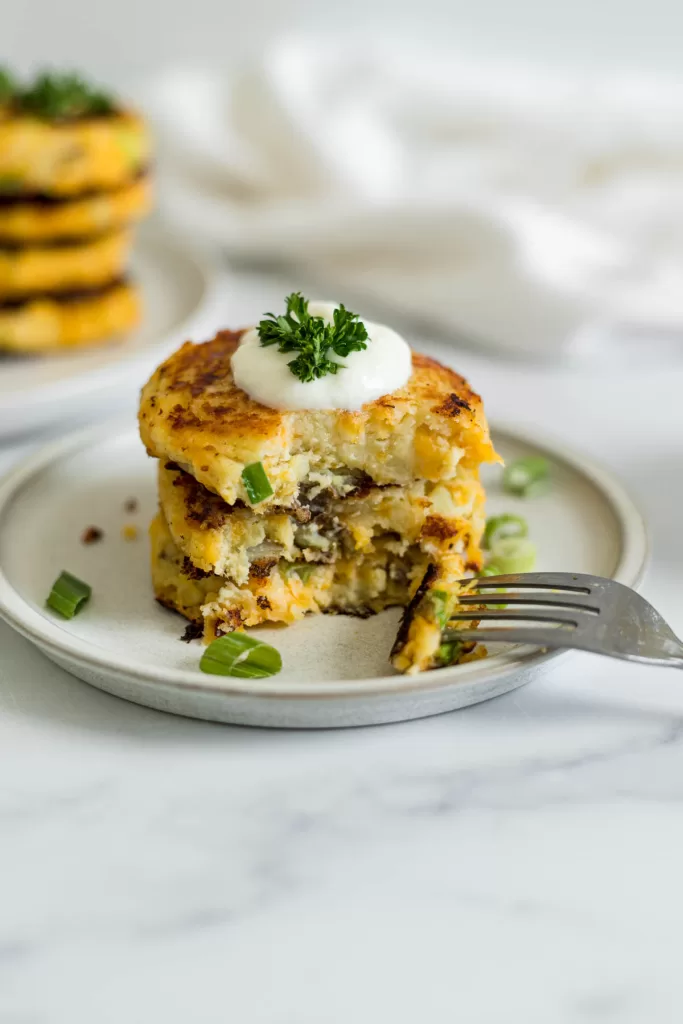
[(384, 366)]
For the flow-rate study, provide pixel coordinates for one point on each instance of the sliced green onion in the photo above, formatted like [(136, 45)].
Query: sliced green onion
[(512, 554), (441, 606), (527, 477), (492, 569), (68, 595), (308, 537), (449, 653), (240, 655), (8, 86), (499, 527), (304, 570), (256, 483)]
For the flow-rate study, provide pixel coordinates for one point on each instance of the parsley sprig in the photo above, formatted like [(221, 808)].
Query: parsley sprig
[(59, 96), (312, 337), (8, 85), (54, 96)]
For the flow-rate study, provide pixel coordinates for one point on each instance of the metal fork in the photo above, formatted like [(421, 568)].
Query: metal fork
[(568, 610)]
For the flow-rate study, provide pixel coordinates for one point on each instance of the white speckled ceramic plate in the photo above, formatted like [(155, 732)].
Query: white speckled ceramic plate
[(178, 292), (335, 670)]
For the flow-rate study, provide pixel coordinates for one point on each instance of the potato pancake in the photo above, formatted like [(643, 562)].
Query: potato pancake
[(34, 270), (352, 511), (62, 323), (228, 539), (193, 414), (45, 219), (66, 158), (280, 592)]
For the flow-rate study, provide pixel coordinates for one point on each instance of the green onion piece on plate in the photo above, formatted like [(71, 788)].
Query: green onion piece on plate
[(512, 554), (68, 595), (256, 483), (499, 527), (527, 477), (240, 655)]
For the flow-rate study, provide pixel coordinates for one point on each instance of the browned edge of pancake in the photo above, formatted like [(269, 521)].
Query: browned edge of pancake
[(16, 198), (67, 297)]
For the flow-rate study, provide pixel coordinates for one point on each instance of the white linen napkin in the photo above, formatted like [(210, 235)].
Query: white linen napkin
[(527, 209)]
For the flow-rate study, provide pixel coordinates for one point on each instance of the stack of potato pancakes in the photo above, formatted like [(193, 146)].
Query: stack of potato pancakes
[(73, 180), (266, 515)]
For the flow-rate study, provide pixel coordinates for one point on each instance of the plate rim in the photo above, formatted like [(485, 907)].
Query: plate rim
[(53, 637), (109, 377)]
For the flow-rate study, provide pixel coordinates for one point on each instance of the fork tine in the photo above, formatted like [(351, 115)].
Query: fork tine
[(576, 601), (578, 582), (489, 615), (576, 611), (541, 637)]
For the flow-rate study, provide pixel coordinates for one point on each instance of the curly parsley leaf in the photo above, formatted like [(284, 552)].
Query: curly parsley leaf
[(57, 96), (312, 337), (8, 85)]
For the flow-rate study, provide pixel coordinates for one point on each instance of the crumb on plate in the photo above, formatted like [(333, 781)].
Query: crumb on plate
[(193, 631), (91, 535)]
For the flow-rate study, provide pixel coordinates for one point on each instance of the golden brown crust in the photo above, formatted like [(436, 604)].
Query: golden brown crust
[(201, 375), (71, 157), (38, 269), (201, 506), (439, 528), (51, 324), (38, 221), (440, 383), (193, 413)]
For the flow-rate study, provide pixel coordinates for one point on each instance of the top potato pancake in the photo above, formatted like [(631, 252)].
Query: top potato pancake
[(193, 414)]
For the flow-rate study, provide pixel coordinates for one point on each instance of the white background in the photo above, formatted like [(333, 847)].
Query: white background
[(130, 37)]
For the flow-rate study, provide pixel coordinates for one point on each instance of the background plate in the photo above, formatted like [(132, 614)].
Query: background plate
[(179, 294), (335, 668)]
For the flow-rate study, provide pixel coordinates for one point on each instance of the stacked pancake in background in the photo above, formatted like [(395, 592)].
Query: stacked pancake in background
[(267, 515), (73, 182)]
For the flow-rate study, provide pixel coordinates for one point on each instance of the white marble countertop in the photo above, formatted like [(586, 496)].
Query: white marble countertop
[(515, 861)]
